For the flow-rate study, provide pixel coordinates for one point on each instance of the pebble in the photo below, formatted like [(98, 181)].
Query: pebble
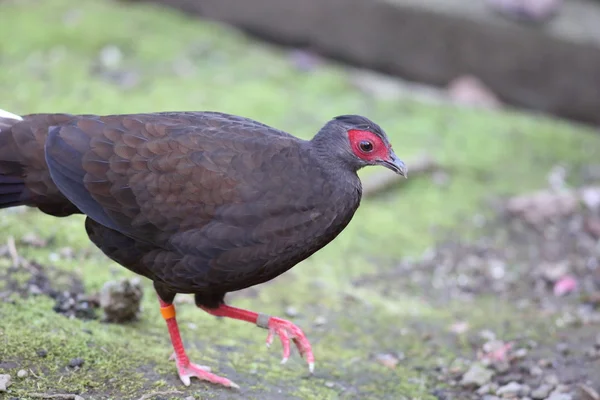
[(536, 371), (520, 354), (387, 360), (551, 380), (477, 375), (22, 373), (486, 389), (4, 382), (562, 348), (190, 398), (41, 353), (545, 363), (560, 396), (329, 384), (320, 321), (490, 397), (291, 311), (76, 362), (509, 390), (541, 392)]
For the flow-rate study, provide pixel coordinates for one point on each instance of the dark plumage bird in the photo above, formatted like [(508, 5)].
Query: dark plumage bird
[(198, 202)]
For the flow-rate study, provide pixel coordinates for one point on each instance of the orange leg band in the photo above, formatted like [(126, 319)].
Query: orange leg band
[(168, 312)]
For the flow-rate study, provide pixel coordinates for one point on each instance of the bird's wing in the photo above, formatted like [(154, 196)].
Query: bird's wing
[(152, 176)]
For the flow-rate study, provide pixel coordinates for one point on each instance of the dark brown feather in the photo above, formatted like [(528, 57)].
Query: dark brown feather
[(202, 203)]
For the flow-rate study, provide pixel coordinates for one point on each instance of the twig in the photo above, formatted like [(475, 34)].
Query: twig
[(12, 250), (151, 395), (383, 180), (56, 396)]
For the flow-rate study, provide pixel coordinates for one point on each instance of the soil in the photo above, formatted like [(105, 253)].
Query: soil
[(534, 254)]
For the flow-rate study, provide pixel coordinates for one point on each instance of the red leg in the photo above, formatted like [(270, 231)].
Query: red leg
[(276, 326), (185, 368)]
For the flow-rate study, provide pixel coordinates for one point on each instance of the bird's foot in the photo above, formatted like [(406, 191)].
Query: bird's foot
[(173, 357), (288, 331), (201, 372)]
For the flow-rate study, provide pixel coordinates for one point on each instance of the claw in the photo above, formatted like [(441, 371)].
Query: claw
[(286, 331)]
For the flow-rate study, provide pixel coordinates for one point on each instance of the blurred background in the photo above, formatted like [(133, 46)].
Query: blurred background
[(476, 278)]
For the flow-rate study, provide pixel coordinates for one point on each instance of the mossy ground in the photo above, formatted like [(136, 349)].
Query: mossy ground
[(51, 63)]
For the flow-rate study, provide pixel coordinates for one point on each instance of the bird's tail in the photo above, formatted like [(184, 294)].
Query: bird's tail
[(12, 186)]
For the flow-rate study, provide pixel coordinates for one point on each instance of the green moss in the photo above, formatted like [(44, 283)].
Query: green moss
[(183, 64)]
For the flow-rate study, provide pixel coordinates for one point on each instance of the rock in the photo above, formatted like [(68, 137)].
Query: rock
[(387, 360), (525, 391), (329, 384), (121, 300), (520, 354), (477, 375), (291, 311), (490, 397), (5, 381), (536, 371), (551, 380), (485, 389), (511, 389), (563, 348), (22, 373), (560, 396), (42, 353), (590, 196), (76, 362), (541, 392), (320, 320)]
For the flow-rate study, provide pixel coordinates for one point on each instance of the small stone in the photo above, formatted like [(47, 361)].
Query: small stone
[(562, 348), (525, 391), (545, 363), (485, 389), (76, 362), (291, 311), (387, 360), (541, 392), (477, 375), (560, 396), (536, 371), (4, 382), (490, 397), (511, 389), (190, 398), (42, 353), (22, 373), (329, 384), (519, 354), (501, 366), (121, 300), (551, 380), (320, 321)]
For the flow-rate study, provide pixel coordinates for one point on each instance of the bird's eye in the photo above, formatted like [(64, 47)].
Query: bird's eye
[(366, 146)]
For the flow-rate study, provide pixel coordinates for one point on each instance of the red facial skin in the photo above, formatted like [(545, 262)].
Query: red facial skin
[(379, 152)]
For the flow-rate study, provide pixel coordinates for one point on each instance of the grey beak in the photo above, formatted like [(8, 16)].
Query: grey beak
[(395, 164)]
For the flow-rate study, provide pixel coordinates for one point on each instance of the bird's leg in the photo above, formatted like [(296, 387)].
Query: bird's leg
[(276, 326), (185, 368)]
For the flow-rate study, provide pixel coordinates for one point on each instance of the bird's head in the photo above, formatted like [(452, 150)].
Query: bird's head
[(358, 142)]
